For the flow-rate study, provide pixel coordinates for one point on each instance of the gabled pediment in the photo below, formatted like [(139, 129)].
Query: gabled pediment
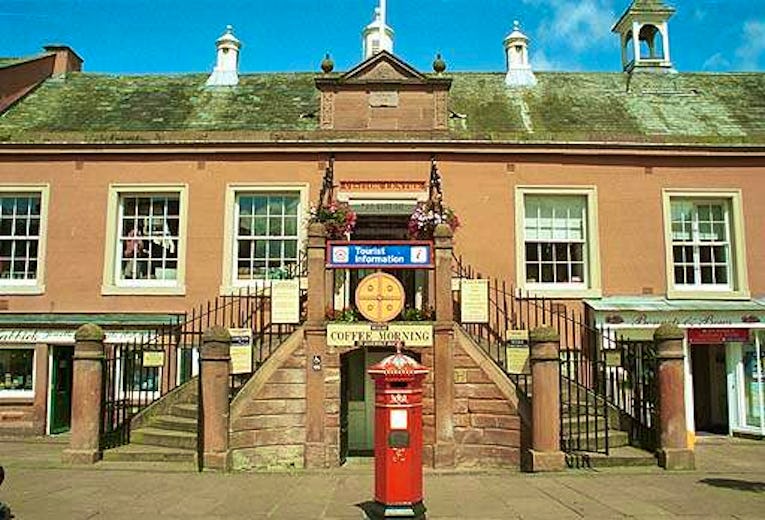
[(384, 67)]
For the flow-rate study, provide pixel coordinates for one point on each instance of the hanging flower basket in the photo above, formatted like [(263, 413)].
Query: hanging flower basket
[(425, 218), (338, 218)]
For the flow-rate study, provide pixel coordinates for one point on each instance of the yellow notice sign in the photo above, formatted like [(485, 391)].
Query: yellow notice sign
[(285, 301), (241, 351), (517, 360), (613, 358), (153, 358), (474, 301), (352, 334)]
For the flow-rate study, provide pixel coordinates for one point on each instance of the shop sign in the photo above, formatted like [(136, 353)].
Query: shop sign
[(66, 337), (369, 334), (285, 301), (376, 186), (679, 318), (241, 351), (153, 358), (474, 301), (379, 255), (716, 336)]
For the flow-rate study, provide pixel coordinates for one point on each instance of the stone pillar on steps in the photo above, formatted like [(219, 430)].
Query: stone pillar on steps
[(673, 436), (443, 351), (215, 372), (87, 389), (545, 453)]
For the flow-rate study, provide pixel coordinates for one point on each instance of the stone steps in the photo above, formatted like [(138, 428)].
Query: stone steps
[(165, 438), (618, 457), (175, 423), (593, 440), (187, 410), (148, 453)]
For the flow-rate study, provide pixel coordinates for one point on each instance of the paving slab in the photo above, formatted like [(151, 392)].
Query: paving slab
[(730, 483)]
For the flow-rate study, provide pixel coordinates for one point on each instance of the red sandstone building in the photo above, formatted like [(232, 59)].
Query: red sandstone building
[(629, 199)]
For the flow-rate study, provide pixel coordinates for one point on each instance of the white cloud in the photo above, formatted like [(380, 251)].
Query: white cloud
[(716, 62), (752, 48), (581, 24)]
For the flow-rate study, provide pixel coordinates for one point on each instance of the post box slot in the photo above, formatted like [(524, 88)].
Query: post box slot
[(398, 439), (399, 384)]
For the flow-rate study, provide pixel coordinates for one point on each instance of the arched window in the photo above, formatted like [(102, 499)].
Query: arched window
[(651, 43)]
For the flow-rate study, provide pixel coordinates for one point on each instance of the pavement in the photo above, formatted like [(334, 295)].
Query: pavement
[(729, 483)]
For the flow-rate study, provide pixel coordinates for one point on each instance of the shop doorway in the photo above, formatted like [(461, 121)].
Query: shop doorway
[(61, 389), (357, 400), (710, 397)]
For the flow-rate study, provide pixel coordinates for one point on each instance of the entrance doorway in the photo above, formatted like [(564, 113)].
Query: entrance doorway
[(710, 398), (357, 400), (61, 389)]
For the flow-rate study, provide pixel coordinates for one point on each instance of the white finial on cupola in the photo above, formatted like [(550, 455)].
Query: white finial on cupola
[(519, 72), (377, 36), (225, 71)]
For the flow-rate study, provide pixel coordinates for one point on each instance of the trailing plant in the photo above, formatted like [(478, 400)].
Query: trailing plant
[(426, 216), (338, 218)]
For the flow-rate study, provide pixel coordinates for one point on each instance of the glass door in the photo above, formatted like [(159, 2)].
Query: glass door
[(745, 374)]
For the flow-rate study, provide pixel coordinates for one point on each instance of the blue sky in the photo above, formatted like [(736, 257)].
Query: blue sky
[(169, 36)]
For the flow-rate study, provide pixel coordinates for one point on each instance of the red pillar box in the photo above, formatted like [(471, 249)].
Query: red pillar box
[(398, 437)]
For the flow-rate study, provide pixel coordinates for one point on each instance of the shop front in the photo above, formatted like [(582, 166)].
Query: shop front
[(724, 385)]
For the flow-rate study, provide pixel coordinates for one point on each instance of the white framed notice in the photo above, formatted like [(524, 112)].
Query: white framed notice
[(285, 301), (241, 351), (474, 301)]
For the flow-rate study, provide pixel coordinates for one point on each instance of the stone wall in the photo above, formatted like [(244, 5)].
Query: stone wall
[(268, 415), (487, 426)]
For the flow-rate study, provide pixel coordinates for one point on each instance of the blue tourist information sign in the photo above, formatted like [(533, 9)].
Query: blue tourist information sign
[(379, 255)]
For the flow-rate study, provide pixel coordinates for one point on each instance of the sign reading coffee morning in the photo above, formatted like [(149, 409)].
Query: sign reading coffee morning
[(379, 255), (371, 334)]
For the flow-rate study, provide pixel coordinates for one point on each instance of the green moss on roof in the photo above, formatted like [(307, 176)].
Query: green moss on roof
[(88, 103), (721, 109), (4, 62)]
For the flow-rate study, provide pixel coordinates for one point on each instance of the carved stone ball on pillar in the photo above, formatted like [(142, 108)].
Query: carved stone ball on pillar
[(545, 453), (84, 443), (674, 453)]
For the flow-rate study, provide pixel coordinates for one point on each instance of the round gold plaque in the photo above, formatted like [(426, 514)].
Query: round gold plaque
[(380, 297)]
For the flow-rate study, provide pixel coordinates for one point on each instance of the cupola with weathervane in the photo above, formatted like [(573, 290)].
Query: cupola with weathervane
[(377, 36), (519, 73), (644, 33), (225, 73)]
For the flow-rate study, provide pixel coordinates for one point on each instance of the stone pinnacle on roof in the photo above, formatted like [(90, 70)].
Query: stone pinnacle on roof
[(225, 73)]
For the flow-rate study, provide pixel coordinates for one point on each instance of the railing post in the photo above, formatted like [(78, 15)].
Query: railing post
[(443, 354), (215, 373), (545, 453), (87, 393), (316, 336), (673, 453)]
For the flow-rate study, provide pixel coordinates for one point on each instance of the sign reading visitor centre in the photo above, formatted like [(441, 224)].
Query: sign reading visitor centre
[(379, 255)]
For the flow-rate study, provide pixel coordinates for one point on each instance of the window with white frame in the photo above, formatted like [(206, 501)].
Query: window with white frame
[(16, 372), (148, 239), (555, 239), (266, 235), (702, 256), (20, 237)]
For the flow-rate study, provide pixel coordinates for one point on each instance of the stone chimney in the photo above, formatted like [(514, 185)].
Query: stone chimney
[(519, 73), (225, 73)]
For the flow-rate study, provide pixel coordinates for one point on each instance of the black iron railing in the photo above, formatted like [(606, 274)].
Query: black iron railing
[(606, 382)]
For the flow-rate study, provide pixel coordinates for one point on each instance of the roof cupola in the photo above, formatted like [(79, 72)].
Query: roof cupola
[(226, 68), (644, 33), (519, 72), (377, 36)]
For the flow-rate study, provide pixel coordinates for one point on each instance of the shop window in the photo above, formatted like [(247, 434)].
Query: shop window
[(559, 251), (705, 245), (148, 240), (22, 230), (265, 233), (16, 372)]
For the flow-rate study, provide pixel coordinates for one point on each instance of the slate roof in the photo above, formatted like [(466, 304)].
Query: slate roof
[(683, 109)]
